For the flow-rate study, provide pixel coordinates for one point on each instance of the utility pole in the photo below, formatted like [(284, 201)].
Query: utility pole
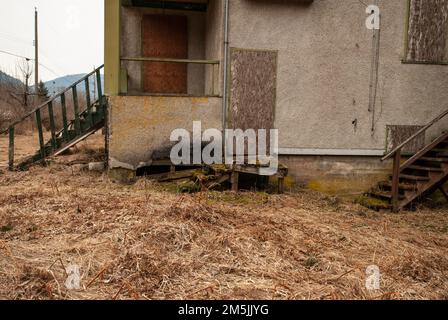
[(36, 52)]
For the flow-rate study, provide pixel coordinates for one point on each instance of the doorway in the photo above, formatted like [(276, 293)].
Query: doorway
[(165, 36)]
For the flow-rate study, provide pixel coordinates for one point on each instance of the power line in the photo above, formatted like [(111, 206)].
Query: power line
[(16, 55), (31, 59), (16, 40)]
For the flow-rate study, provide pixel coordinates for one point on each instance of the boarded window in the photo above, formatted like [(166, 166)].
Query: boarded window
[(399, 134), (165, 36), (427, 34)]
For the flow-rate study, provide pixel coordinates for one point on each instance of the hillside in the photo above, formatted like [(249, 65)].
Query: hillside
[(6, 78), (56, 85)]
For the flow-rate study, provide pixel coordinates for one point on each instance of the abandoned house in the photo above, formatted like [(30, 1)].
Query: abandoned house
[(340, 94), (351, 103)]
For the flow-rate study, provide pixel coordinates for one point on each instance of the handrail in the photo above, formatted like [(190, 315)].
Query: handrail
[(169, 60), (419, 132), (43, 105)]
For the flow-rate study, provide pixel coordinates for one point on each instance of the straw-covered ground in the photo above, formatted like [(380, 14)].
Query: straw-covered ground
[(145, 242)]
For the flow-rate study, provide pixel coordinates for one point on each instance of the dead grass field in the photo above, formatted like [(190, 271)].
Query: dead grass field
[(142, 242)]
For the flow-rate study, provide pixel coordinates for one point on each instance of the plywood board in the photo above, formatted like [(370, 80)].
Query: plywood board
[(253, 89), (165, 36), (427, 34), (397, 134)]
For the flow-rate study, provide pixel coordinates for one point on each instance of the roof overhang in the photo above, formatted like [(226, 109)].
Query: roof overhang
[(190, 5)]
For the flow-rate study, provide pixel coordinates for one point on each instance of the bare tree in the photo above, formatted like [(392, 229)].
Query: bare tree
[(25, 71)]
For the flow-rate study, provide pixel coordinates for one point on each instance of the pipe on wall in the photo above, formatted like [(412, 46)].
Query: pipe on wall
[(225, 95)]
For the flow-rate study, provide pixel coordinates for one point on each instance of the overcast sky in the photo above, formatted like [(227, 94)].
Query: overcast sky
[(70, 35)]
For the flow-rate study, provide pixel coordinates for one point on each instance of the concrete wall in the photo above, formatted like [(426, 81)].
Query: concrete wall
[(214, 43), (131, 19), (337, 175), (139, 126), (324, 69)]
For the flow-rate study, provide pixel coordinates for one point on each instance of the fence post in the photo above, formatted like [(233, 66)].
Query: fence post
[(396, 180), (11, 149), (41, 135), (52, 126), (64, 118), (76, 110), (89, 109)]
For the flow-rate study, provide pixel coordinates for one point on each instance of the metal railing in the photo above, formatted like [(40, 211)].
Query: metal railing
[(396, 152), (213, 63), (37, 112)]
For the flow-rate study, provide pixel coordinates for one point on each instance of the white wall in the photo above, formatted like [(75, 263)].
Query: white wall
[(324, 67)]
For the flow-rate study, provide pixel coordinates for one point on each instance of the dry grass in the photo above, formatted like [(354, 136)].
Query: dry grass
[(140, 242)]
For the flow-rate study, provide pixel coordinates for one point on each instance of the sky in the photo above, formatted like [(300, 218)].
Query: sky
[(71, 35)]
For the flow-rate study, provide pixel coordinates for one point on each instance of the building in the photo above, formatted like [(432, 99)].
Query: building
[(341, 94)]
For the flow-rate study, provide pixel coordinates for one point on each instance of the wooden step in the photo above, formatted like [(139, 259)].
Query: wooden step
[(413, 178), (431, 159), (401, 186), (385, 195), (424, 168), (439, 150)]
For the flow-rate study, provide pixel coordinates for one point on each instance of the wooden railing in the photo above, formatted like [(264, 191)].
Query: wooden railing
[(213, 63), (37, 113), (396, 153)]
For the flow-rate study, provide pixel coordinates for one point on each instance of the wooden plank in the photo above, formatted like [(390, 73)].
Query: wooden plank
[(281, 185), (395, 180), (427, 36), (172, 176), (442, 190), (99, 87), (414, 178), (234, 181), (76, 110), (423, 168), (64, 118), (79, 139), (252, 90), (41, 134), (52, 126), (11, 149), (165, 37), (88, 102), (154, 59), (423, 151)]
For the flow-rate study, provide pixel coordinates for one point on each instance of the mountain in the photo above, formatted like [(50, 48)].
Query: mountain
[(6, 78), (56, 85)]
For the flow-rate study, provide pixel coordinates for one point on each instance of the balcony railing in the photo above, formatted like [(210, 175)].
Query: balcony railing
[(213, 63)]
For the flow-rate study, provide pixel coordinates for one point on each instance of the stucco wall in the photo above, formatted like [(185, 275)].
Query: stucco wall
[(214, 40), (324, 67), (141, 125)]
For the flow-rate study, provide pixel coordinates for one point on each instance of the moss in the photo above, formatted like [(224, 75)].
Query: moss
[(372, 203), (6, 228), (347, 186), (238, 198), (120, 175), (310, 262), (188, 187)]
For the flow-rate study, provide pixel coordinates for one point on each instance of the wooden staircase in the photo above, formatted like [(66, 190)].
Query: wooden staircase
[(84, 123), (417, 176)]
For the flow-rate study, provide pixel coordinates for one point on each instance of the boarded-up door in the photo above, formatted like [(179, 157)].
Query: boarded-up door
[(253, 89), (165, 36)]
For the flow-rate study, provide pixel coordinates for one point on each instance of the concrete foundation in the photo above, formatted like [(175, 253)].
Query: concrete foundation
[(337, 175), (142, 125)]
